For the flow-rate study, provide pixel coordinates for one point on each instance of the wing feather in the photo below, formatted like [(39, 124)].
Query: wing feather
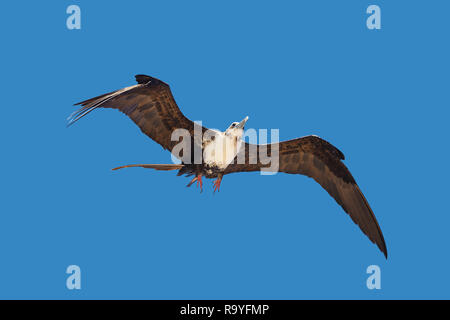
[(318, 159), (150, 104)]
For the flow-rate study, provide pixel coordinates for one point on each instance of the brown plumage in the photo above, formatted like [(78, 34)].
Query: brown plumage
[(151, 106), (318, 159)]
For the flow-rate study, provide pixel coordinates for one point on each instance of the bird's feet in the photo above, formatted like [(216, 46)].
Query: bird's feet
[(197, 178), (200, 182), (217, 184)]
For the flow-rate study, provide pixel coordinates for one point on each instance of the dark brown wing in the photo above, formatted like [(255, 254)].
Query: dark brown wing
[(318, 159), (149, 104)]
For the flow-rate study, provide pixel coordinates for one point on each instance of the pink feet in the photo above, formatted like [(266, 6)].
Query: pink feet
[(217, 184), (199, 182)]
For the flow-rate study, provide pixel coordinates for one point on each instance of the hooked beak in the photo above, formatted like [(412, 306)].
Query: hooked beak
[(242, 123)]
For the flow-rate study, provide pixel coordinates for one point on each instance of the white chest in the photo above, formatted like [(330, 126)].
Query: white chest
[(222, 150)]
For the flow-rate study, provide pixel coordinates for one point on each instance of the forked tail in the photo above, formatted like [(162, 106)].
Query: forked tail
[(165, 167)]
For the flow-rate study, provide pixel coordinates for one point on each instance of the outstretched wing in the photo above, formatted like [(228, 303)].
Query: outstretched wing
[(318, 159), (149, 104)]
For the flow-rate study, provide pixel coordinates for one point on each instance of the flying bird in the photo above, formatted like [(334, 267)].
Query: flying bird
[(151, 105)]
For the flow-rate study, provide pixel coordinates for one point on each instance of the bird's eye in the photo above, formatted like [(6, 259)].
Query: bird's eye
[(233, 125)]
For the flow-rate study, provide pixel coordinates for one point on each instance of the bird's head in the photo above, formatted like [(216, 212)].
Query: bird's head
[(236, 129)]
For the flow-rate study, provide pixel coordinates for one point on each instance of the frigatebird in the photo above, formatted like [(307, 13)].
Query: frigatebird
[(151, 105)]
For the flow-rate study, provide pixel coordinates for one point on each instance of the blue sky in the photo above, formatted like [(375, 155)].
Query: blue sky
[(310, 67)]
